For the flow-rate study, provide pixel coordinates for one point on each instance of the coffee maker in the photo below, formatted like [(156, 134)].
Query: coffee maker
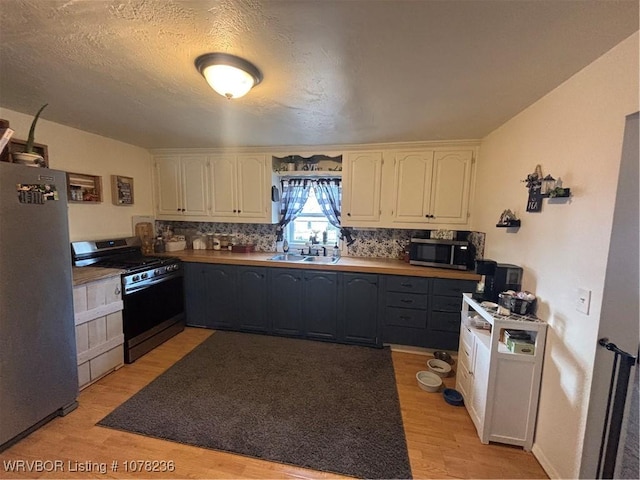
[(496, 278)]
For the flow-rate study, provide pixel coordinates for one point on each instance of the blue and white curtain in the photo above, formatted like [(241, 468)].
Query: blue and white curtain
[(329, 195), (295, 193)]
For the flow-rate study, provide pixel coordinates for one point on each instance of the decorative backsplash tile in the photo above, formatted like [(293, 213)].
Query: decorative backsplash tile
[(390, 243), (379, 242)]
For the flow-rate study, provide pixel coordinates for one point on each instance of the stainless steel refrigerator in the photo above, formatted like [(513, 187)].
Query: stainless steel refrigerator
[(38, 370)]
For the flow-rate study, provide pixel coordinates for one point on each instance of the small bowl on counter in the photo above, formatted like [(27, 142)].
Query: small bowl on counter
[(428, 381), (439, 367)]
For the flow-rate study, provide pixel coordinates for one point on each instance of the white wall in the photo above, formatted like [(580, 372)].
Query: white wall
[(77, 151), (575, 132)]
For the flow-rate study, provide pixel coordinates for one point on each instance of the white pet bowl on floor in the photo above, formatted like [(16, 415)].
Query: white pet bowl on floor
[(428, 381), (439, 367)]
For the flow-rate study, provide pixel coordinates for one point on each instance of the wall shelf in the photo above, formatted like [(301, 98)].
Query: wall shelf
[(18, 146), (84, 188), (509, 224)]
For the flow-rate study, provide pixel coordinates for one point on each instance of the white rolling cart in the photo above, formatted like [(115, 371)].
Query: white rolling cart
[(500, 387)]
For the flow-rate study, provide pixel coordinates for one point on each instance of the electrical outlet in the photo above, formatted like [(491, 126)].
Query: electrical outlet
[(583, 300)]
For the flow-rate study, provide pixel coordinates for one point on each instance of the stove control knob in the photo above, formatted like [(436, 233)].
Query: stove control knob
[(145, 275), (157, 271), (136, 278), (171, 268)]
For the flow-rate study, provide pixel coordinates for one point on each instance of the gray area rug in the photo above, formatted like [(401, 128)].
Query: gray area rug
[(318, 405)]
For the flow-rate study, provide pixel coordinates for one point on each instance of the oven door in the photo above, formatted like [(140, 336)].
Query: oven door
[(152, 315)]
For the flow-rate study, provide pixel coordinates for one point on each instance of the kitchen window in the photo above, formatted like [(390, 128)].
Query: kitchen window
[(310, 209), (310, 223)]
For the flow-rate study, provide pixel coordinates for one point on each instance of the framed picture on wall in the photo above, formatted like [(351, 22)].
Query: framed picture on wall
[(121, 190)]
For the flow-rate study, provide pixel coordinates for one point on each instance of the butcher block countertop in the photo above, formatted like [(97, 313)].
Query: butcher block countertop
[(82, 275), (386, 266)]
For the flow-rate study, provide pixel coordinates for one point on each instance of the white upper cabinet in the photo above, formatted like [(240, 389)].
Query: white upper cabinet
[(412, 186), (431, 187), (254, 187), (223, 185), (362, 177), (241, 189), (181, 186), (451, 185)]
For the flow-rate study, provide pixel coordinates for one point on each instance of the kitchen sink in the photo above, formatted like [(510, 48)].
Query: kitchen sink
[(322, 260), (292, 257), (288, 257)]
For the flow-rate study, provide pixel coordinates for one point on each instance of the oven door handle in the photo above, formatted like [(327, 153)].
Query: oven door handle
[(133, 288)]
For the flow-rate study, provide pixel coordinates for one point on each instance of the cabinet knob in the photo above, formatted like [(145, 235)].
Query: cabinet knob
[(239, 211), (234, 210), (348, 214)]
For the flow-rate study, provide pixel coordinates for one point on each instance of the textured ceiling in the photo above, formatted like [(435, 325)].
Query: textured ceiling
[(335, 72)]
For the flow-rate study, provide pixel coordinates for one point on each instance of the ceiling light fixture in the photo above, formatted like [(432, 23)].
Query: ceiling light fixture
[(230, 76)]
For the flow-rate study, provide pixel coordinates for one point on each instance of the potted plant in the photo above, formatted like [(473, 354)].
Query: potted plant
[(29, 157)]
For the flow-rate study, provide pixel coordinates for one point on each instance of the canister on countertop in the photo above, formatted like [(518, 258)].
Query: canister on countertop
[(216, 241), (209, 241)]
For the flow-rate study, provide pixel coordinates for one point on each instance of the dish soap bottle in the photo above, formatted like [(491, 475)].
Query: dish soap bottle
[(285, 246), (336, 251)]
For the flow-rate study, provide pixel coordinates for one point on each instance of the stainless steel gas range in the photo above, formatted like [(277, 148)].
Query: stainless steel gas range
[(152, 291)]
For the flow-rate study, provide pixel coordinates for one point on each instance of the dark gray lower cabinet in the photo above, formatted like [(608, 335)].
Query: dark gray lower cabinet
[(314, 304), (210, 295), (252, 299), (359, 319), (321, 305), (286, 301), (226, 297), (406, 301), (443, 328), (422, 312)]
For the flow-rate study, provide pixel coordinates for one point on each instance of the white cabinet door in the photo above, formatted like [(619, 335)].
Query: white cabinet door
[(168, 185), (223, 185), (451, 184), (195, 185), (362, 175), (412, 186), (252, 186), (479, 384), (432, 187)]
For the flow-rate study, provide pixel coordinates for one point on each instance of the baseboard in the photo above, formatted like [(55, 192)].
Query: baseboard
[(544, 462)]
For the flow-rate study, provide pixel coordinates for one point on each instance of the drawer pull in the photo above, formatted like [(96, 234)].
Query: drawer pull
[(407, 285), (404, 300), (117, 290), (405, 317)]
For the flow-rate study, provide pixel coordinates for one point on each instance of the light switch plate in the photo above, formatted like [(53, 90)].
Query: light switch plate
[(583, 300)]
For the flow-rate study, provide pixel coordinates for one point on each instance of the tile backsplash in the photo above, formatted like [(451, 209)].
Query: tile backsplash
[(378, 242)]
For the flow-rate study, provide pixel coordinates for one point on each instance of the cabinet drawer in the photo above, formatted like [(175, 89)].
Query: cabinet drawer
[(466, 337), (407, 284), (464, 355), (447, 304), (405, 317), (448, 322), (453, 288), (406, 300)]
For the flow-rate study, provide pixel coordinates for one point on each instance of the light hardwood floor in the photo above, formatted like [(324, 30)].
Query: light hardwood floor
[(441, 439)]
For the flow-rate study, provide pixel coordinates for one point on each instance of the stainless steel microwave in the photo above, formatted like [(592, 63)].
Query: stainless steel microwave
[(431, 252)]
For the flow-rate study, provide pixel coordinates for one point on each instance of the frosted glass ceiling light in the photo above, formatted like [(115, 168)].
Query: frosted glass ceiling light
[(230, 76)]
